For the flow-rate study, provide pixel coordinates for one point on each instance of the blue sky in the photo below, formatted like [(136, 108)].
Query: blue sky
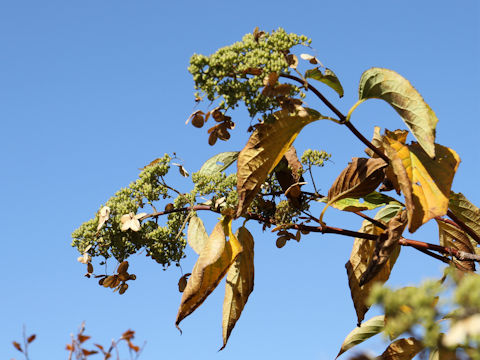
[(91, 91)]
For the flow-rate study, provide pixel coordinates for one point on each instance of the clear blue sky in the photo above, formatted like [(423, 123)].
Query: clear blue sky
[(90, 91)]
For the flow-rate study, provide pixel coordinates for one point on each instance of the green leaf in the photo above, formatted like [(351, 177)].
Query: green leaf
[(329, 79), (388, 212), (465, 211), (370, 202), (264, 150), (361, 333), (219, 163), (401, 95)]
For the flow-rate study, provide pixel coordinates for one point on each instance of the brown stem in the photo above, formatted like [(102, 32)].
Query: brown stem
[(342, 117), (188, 208)]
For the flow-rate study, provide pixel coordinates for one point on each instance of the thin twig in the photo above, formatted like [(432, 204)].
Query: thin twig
[(343, 118)]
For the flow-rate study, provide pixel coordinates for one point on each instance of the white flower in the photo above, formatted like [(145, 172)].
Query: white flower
[(85, 258), (103, 216), (130, 221), (462, 329)]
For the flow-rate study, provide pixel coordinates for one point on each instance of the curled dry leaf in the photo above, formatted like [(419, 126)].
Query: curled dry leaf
[(424, 182), (288, 175), (408, 103), (385, 247), (465, 211), (123, 288), (281, 241), (182, 282), (292, 60), (402, 349), (263, 151), (193, 115), (453, 237), (122, 267), (361, 256), (239, 284), (361, 177), (215, 258), (17, 346), (31, 338)]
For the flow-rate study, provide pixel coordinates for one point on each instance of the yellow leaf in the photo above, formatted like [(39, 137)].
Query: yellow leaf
[(265, 148), (239, 284), (212, 265), (196, 235), (424, 182), (402, 349)]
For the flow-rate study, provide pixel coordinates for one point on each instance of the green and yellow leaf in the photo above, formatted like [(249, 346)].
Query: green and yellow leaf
[(215, 258), (196, 235), (328, 78), (219, 163), (239, 284), (424, 182), (265, 149), (408, 103), (361, 333), (371, 201), (402, 349)]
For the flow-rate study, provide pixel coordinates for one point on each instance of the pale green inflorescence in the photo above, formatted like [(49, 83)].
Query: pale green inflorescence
[(314, 158), (163, 243), (224, 74)]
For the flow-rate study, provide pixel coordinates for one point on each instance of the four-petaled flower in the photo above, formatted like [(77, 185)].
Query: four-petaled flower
[(130, 221)]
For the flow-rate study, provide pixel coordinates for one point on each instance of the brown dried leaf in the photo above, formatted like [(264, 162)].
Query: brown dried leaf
[(122, 288), (212, 139), (263, 151), (17, 346), (385, 246), (271, 79), (123, 267), (82, 338), (453, 237), (292, 60), (362, 254), (31, 338), (86, 352), (239, 285), (288, 173), (211, 266), (402, 349), (425, 182), (252, 71), (359, 178), (182, 282)]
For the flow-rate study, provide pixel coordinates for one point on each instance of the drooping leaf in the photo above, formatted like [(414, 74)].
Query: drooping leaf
[(196, 235), (361, 333), (402, 349), (453, 237), (370, 202), (265, 148), (463, 209), (401, 95), (288, 173), (385, 247), (424, 182), (219, 162), (362, 253), (358, 179), (328, 78), (215, 258), (239, 284)]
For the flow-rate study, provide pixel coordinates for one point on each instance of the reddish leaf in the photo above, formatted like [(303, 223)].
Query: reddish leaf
[(17, 346), (82, 338), (89, 352), (31, 338), (133, 347)]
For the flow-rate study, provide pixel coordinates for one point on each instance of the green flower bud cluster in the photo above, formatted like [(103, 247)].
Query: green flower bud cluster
[(236, 72), (163, 244), (314, 158), (408, 307), (216, 186)]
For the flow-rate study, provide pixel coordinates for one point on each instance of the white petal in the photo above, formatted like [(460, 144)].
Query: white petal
[(134, 225)]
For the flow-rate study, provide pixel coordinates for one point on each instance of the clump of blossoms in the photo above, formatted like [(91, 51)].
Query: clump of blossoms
[(237, 72)]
